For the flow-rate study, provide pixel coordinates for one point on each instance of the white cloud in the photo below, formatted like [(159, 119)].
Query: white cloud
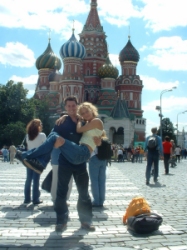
[(114, 58), (170, 104), (164, 15), (170, 53), (16, 54), (151, 83), (118, 13), (32, 79), (56, 15), (28, 83)]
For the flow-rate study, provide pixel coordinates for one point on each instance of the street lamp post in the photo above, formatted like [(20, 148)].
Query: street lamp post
[(160, 108), (184, 137), (177, 123)]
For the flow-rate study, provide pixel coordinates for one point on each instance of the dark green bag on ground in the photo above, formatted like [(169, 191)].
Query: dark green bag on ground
[(144, 223), (46, 184)]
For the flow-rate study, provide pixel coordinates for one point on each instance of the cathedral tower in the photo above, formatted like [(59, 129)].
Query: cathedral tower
[(93, 38)]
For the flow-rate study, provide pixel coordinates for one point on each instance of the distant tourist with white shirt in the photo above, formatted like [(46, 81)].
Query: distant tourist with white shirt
[(178, 153)]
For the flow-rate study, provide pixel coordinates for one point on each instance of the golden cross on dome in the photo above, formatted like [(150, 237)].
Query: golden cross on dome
[(129, 33), (49, 34), (73, 25)]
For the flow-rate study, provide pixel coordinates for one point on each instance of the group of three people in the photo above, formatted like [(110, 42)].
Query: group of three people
[(77, 144)]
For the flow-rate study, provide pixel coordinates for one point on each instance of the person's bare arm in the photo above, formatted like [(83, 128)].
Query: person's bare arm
[(95, 123), (61, 120)]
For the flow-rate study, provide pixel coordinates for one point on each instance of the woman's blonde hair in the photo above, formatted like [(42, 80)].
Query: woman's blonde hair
[(89, 106), (104, 136)]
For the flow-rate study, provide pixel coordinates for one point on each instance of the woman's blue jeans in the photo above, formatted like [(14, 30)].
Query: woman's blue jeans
[(76, 154), (35, 178), (97, 173)]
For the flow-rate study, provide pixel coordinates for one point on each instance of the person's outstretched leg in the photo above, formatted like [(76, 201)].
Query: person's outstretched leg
[(76, 154), (38, 158)]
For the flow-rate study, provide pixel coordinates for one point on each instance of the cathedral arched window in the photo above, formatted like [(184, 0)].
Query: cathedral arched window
[(69, 68)]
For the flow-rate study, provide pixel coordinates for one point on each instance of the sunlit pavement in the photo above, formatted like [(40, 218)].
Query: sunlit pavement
[(32, 227)]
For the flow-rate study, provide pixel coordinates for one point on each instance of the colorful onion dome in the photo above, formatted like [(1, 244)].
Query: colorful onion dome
[(48, 59), (54, 76), (72, 48), (129, 53), (108, 70)]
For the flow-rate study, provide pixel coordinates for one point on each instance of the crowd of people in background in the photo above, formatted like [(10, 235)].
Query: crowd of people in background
[(131, 153)]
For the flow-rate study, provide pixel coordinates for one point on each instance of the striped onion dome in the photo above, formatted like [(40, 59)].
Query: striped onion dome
[(72, 48), (108, 70), (129, 53), (48, 60)]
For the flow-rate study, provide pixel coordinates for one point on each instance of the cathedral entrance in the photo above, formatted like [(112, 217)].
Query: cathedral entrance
[(117, 137)]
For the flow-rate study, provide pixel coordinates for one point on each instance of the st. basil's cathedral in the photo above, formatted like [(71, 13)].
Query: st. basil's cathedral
[(89, 75)]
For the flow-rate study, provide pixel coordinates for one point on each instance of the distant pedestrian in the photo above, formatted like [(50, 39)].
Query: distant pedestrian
[(167, 148), (5, 153), (153, 155), (12, 150), (178, 153)]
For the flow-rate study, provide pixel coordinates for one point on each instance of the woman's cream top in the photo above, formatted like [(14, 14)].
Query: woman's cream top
[(87, 137)]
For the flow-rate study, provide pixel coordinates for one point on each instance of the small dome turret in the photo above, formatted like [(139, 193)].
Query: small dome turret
[(48, 59), (129, 53), (72, 48), (108, 70)]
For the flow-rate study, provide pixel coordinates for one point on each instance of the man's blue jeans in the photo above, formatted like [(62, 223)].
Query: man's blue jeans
[(35, 178), (97, 173), (152, 157), (76, 154), (84, 205)]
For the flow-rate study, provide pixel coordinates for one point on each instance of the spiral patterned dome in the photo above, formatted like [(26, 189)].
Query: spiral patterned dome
[(72, 48), (129, 53), (108, 70), (48, 60)]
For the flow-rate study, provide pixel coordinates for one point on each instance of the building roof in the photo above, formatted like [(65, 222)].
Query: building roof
[(120, 110)]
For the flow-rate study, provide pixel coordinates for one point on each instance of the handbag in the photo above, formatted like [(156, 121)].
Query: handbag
[(144, 223), (46, 184)]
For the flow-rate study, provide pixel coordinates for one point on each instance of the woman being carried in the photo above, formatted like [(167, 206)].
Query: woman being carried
[(76, 154)]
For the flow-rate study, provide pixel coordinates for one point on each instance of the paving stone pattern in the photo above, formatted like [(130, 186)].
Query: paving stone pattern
[(32, 227)]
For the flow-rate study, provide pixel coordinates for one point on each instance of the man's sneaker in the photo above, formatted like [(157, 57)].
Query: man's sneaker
[(88, 227), (38, 202), (18, 156), (34, 165), (147, 182), (60, 227)]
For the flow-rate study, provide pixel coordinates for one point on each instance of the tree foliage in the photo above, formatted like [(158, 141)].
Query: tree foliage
[(16, 111), (167, 129)]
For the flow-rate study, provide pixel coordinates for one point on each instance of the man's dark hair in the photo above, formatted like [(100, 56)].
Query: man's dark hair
[(167, 138), (71, 98), (154, 130)]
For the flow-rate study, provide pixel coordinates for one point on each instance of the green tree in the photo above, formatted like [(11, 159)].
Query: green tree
[(167, 129), (16, 110)]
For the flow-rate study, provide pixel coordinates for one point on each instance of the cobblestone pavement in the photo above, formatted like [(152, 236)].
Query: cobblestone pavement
[(32, 227)]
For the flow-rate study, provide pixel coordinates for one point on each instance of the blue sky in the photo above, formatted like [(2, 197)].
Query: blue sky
[(158, 30)]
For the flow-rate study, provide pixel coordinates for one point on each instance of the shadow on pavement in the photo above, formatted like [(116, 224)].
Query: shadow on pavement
[(54, 241), (157, 185)]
